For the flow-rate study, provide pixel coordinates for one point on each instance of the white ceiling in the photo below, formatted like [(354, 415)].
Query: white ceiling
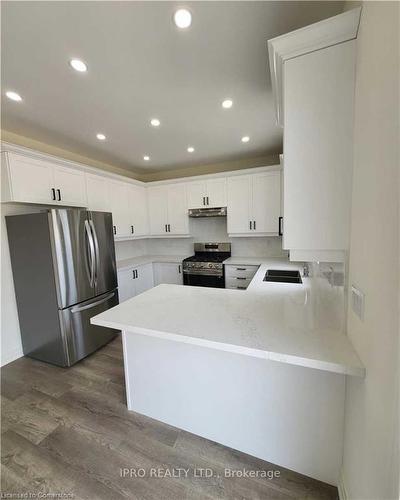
[(141, 66)]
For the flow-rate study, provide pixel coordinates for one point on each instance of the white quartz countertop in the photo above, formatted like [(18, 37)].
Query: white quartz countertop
[(288, 323), (149, 259)]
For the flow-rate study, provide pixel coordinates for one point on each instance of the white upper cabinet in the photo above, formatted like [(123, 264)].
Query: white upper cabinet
[(318, 148), (70, 186), (254, 204), (178, 219), (158, 203), (239, 204), (32, 180), (207, 193), (138, 213), (97, 193), (313, 78), (196, 194), (168, 213), (119, 205), (266, 202)]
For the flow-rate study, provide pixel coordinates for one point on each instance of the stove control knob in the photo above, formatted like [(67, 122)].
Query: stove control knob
[(210, 264)]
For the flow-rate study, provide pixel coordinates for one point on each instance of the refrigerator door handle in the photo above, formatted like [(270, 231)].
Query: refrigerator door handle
[(92, 304), (96, 250), (92, 254)]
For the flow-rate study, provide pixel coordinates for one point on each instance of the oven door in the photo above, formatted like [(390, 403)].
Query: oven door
[(213, 281)]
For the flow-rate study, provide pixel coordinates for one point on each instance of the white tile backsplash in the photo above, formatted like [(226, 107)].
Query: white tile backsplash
[(202, 230)]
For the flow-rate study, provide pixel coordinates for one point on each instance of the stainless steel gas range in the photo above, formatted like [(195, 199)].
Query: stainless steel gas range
[(205, 267)]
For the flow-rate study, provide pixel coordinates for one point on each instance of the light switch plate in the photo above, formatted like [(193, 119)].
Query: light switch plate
[(357, 302)]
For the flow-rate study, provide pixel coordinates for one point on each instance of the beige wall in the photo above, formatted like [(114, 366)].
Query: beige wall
[(370, 464), (258, 161)]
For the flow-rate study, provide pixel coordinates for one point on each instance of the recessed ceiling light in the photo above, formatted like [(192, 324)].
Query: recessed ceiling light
[(228, 103), (245, 138), (155, 122), (13, 96), (78, 65), (183, 18), (146, 158), (190, 149), (101, 137)]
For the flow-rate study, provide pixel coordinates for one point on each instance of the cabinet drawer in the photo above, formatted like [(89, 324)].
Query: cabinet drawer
[(237, 282), (236, 287), (240, 271)]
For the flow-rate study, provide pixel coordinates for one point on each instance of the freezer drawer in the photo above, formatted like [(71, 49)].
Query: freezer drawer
[(80, 336)]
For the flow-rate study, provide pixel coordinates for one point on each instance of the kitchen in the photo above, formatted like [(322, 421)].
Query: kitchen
[(232, 230)]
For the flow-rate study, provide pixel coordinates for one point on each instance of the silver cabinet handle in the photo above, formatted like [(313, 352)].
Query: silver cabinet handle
[(59, 194), (204, 200), (254, 225), (166, 228), (137, 275), (239, 278), (241, 287), (92, 254), (179, 269), (250, 226), (53, 194), (132, 230), (96, 250), (169, 228), (93, 304), (208, 201), (240, 269)]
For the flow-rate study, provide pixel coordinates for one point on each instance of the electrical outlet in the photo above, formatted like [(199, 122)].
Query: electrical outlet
[(357, 302)]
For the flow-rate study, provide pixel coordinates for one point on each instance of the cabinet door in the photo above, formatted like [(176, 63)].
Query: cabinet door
[(70, 186), (158, 206), (216, 192), (196, 194), (31, 180), (178, 218), (138, 213), (126, 285), (97, 193), (318, 148), (118, 199), (167, 273), (144, 280), (239, 188), (266, 202)]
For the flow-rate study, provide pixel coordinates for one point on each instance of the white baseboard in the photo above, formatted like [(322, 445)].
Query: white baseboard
[(8, 357), (342, 488)]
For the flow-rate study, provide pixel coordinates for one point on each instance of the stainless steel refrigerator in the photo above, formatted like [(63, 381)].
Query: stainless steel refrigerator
[(64, 270)]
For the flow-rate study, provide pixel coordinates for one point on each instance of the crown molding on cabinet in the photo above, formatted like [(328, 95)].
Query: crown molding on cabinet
[(332, 31), (216, 175), (31, 153)]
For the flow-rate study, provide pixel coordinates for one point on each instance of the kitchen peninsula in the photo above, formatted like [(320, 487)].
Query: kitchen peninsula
[(256, 370)]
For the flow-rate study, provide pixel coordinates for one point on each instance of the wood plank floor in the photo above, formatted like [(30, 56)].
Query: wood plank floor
[(68, 431)]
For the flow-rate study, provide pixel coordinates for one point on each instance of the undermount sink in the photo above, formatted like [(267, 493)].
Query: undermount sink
[(283, 276)]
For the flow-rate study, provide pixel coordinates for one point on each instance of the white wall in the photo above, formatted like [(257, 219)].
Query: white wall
[(370, 464), (214, 230)]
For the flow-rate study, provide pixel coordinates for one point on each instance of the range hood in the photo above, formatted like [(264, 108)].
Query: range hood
[(207, 212)]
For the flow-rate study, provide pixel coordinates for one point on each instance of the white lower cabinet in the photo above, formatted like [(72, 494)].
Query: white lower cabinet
[(167, 273), (133, 281), (239, 277)]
